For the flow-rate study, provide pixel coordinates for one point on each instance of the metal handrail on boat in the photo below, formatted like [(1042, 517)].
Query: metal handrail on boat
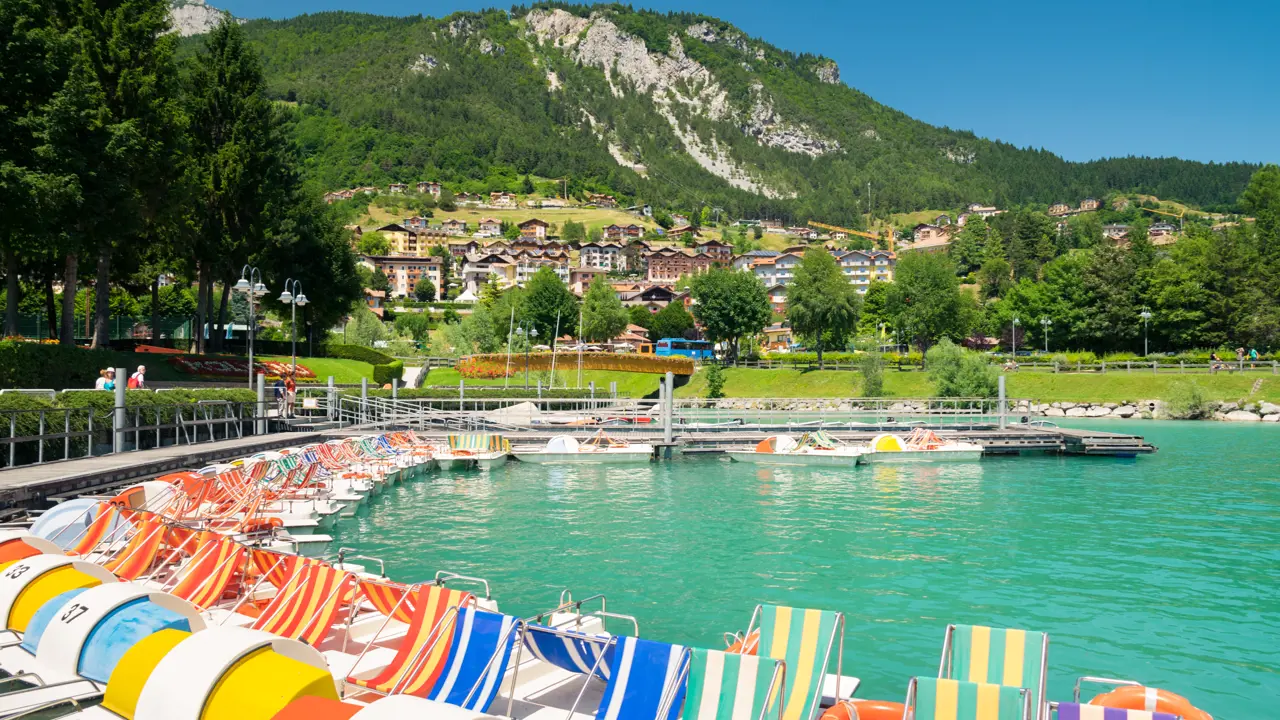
[(343, 557), (444, 576), (568, 603)]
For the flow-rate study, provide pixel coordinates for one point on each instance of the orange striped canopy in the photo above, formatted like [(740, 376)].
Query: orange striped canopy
[(215, 563), (107, 514), (409, 672), (306, 609), (140, 553), (386, 597)]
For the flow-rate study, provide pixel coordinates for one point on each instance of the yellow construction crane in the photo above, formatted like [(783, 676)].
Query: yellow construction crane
[(850, 231), (1176, 215)]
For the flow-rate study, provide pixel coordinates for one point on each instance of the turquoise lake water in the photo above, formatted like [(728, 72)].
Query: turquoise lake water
[(1164, 569)]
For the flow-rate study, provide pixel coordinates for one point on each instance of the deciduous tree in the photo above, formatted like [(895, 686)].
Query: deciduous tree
[(603, 317), (821, 304), (730, 304)]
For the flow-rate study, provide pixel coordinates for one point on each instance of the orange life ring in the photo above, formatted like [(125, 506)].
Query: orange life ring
[(1137, 697), (745, 646), (864, 710)]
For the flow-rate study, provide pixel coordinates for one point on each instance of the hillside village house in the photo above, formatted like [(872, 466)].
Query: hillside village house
[(490, 227), (580, 278), (983, 210), (719, 251), (622, 232), (1162, 233), (600, 200), (668, 264), (677, 220), (478, 268), (400, 239), (1090, 204), (528, 264), (1059, 209), (778, 298), (466, 198), (777, 336), (333, 197), (554, 202), (777, 270), (943, 219), (603, 255), (397, 188), (807, 233), (679, 231), (773, 226), (651, 297), (864, 266), (962, 218), (453, 226), (416, 223), (931, 234), (430, 187), (744, 261), (405, 272), (462, 248), (502, 199), (373, 300), (534, 228), (1115, 231)]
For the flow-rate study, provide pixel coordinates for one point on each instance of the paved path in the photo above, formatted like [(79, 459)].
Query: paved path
[(31, 483)]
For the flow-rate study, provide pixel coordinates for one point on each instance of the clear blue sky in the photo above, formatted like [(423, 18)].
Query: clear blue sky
[(1085, 79)]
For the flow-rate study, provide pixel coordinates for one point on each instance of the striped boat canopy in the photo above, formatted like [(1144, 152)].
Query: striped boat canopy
[(1073, 711), (804, 639), (569, 650), (478, 657), (978, 654), (482, 442), (941, 699), (729, 686), (646, 676)]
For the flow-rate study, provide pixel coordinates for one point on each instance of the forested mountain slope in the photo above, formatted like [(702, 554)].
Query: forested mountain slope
[(677, 110)]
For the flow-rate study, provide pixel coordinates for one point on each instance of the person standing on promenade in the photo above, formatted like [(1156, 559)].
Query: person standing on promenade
[(278, 389), (138, 380), (290, 393)]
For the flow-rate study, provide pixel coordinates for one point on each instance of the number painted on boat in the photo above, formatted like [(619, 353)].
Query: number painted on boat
[(16, 571), (74, 612)]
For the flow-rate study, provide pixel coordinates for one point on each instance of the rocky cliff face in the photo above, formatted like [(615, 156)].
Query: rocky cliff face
[(674, 80), (194, 17)]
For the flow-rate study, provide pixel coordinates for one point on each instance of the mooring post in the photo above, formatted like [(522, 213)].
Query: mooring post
[(667, 407), (395, 388), (364, 400), (613, 389), (331, 399), (1004, 419), (118, 419), (260, 409), (592, 386), (462, 394)]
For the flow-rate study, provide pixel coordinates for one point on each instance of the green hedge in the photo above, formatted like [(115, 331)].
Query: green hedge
[(384, 374), (55, 367)]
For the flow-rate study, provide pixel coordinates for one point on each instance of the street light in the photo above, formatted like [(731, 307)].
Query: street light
[(1045, 322), (1146, 320), (1013, 335), (294, 301), (253, 291), (529, 335)]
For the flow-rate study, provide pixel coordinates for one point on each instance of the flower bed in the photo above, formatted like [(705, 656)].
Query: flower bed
[(476, 368), (233, 367)]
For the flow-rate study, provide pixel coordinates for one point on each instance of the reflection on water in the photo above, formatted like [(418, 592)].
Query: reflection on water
[(1140, 569)]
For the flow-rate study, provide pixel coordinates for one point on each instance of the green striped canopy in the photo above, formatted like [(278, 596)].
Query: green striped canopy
[(803, 638), (994, 655), (940, 699), (480, 442), (729, 686)]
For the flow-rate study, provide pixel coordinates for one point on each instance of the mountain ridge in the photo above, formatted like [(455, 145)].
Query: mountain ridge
[(678, 109)]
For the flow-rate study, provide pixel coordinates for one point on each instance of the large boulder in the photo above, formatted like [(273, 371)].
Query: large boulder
[(1274, 417), (1076, 411), (1055, 412), (1267, 408), (1125, 411), (1097, 411), (1241, 416)]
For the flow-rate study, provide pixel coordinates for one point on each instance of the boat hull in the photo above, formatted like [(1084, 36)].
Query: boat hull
[(812, 460), (930, 456), (580, 458), (488, 461)]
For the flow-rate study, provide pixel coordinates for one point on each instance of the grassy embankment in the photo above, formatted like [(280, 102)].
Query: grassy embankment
[(590, 217)]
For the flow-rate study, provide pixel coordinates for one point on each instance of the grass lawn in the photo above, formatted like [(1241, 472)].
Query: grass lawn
[(743, 382), (343, 371), (636, 385)]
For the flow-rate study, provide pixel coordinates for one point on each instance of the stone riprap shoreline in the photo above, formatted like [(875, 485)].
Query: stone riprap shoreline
[(1137, 410)]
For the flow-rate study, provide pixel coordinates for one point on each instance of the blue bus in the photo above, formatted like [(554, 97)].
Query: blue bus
[(696, 349)]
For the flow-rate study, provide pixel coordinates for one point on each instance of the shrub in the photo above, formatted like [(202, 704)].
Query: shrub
[(872, 367), (56, 367), (384, 374), (1186, 400), (957, 372), (715, 382), (359, 353)]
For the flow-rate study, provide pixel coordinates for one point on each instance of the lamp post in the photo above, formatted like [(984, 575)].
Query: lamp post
[(1013, 336), (1045, 322), (294, 300), (1146, 320), (253, 291)]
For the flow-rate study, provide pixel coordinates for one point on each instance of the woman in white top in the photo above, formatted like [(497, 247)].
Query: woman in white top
[(106, 380)]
